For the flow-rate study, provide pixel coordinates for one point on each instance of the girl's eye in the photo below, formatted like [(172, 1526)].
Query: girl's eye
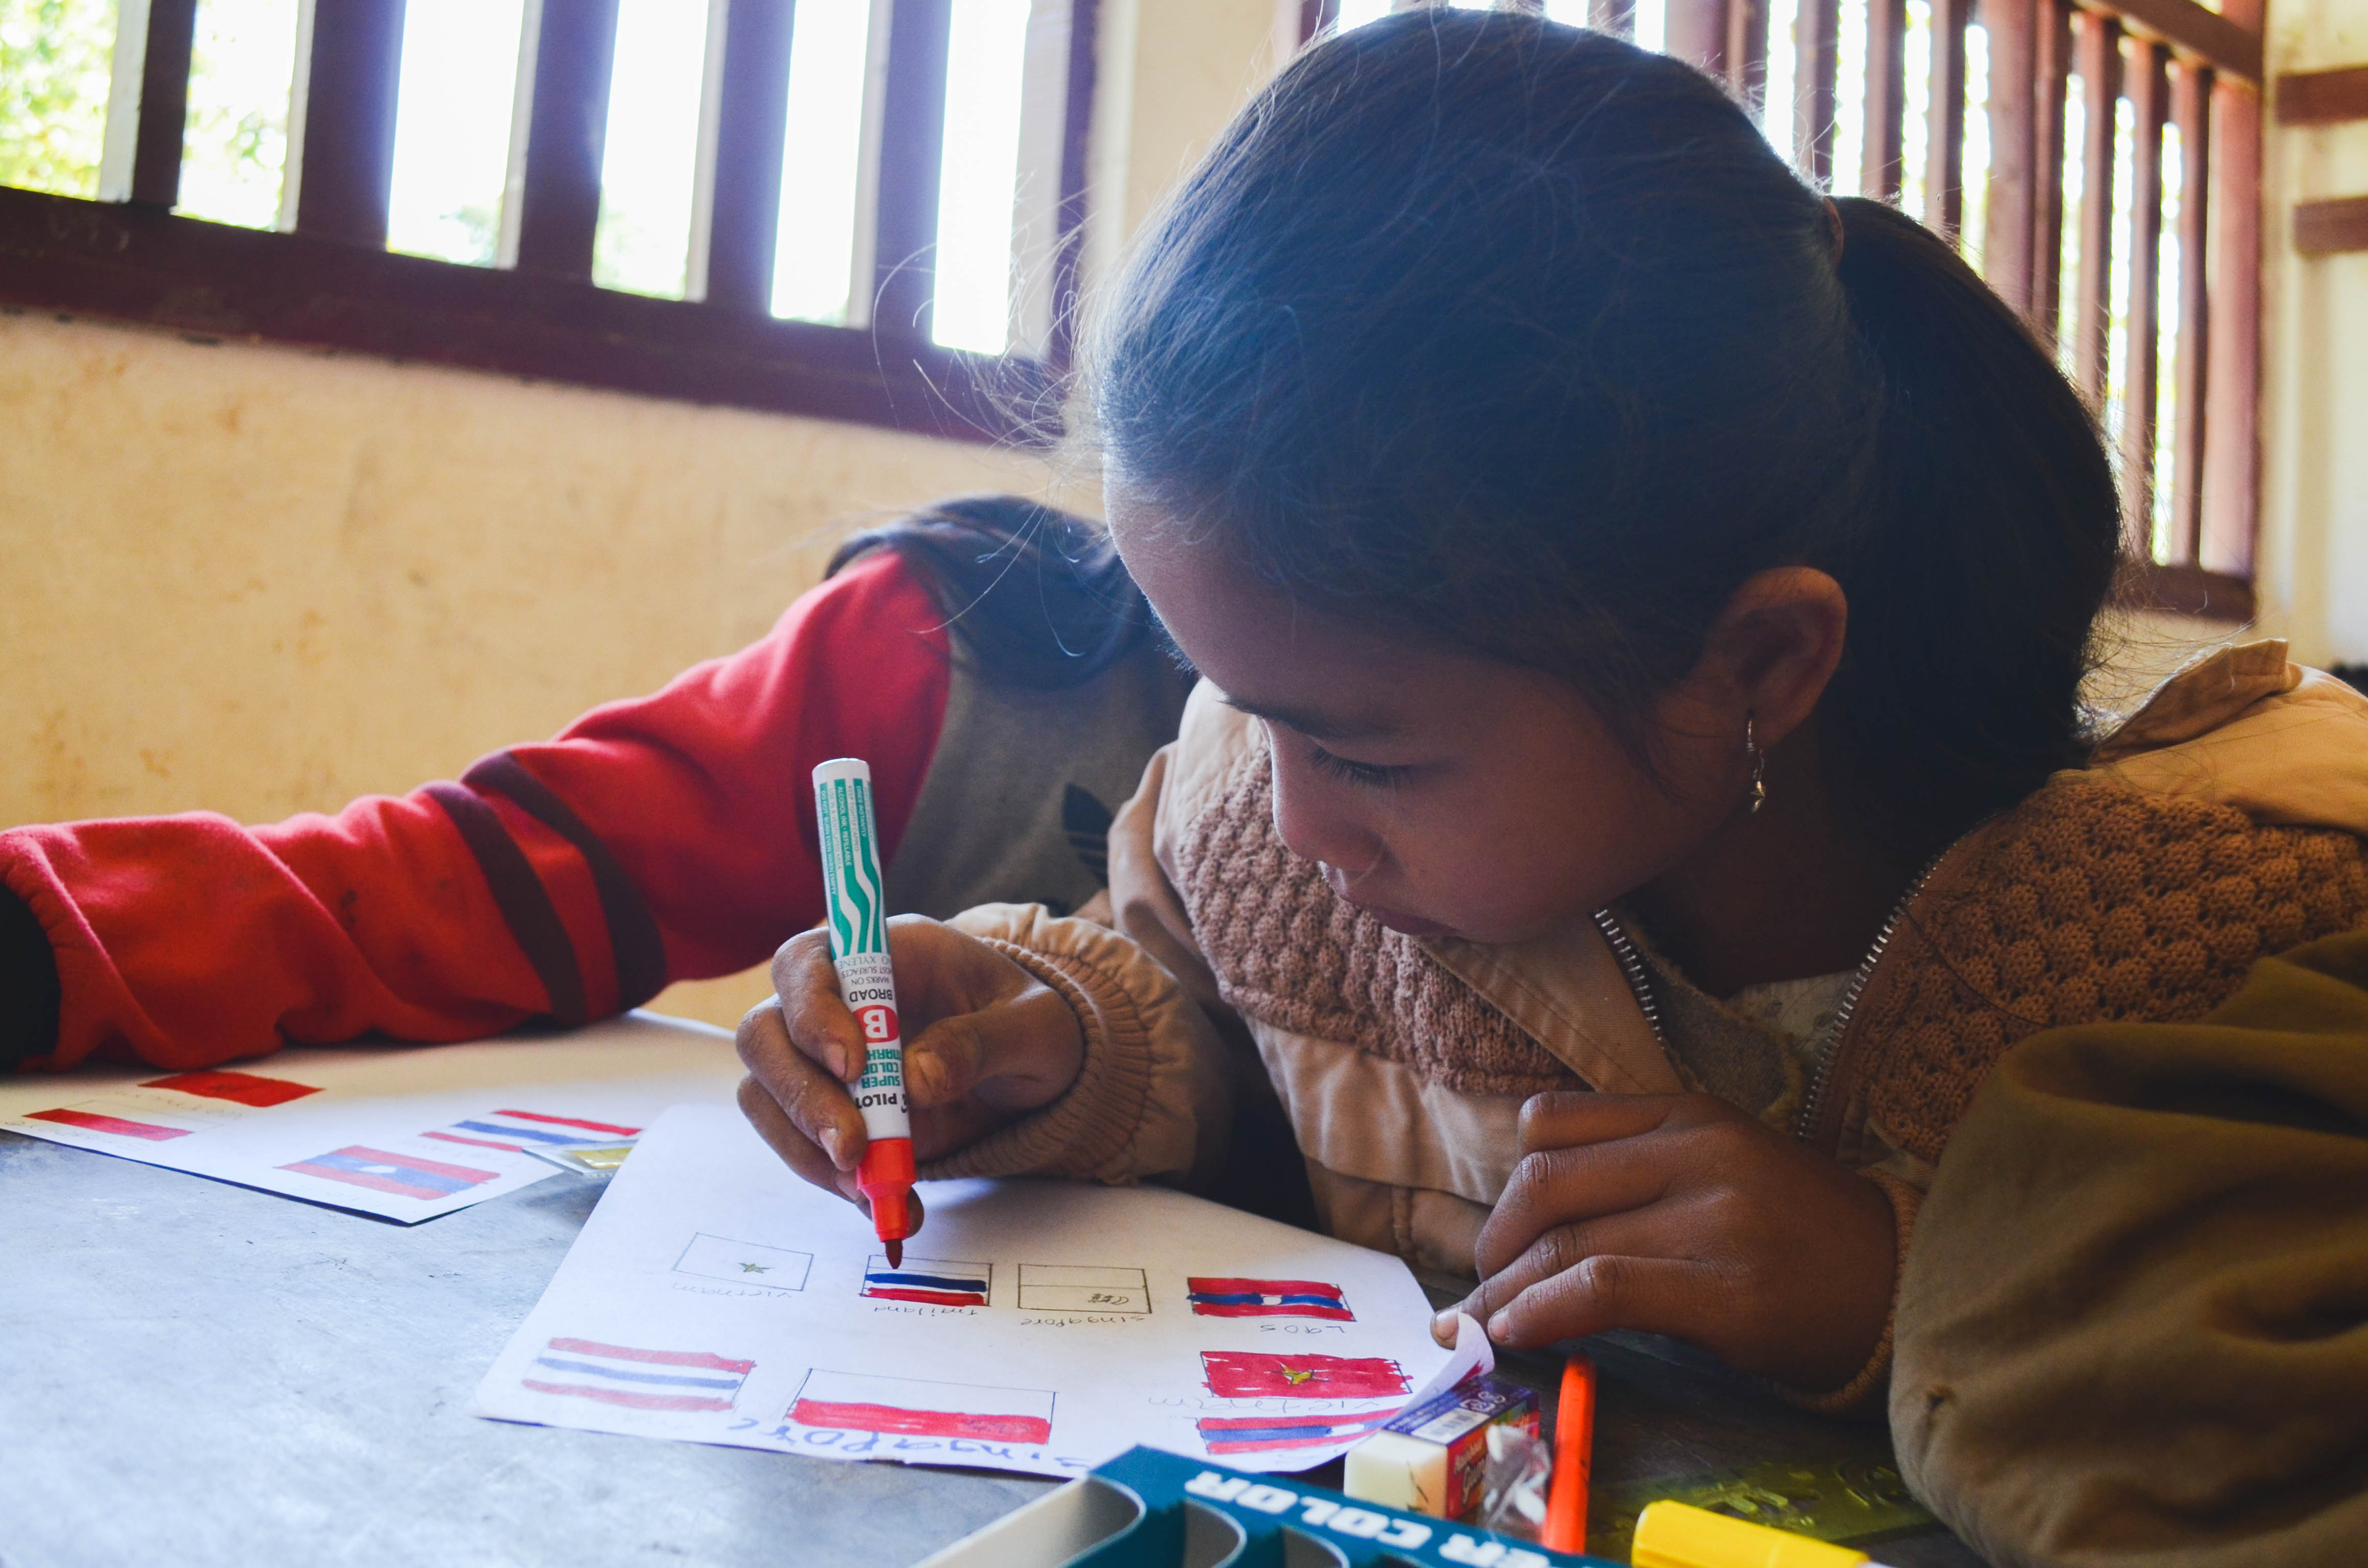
[(1369, 774)]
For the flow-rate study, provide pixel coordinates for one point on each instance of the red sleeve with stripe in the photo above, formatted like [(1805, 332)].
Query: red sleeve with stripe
[(669, 837)]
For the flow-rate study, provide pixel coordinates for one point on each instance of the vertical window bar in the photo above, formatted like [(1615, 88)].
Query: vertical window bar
[(731, 262), (575, 45), (1746, 52), (2231, 464), (1695, 31), (1617, 18), (1076, 146), (165, 42), (2097, 47), (1816, 48), (1945, 134), (1314, 16), (2190, 106), (341, 140), (1887, 99), (2149, 95), (2052, 74), (912, 132), (2010, 218)]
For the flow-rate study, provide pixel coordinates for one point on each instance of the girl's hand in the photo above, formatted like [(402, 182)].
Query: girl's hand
[(984, 1042), (1681, 1215)]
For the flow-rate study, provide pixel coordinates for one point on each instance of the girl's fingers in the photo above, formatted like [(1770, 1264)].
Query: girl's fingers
[(1562, 1120), (1563, 1248), (1610, 1289), (1560, 1187), (797, 1151), (806, 987), (808, 1097)]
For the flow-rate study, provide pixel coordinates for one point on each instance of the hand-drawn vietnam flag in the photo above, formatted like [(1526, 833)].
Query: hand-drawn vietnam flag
[(1251, 1374)]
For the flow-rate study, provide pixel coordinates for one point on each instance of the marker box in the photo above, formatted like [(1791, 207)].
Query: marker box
[(1434, 1458)]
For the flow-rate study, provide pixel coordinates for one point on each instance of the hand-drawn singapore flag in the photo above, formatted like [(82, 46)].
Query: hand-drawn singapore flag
[(861, 1401)]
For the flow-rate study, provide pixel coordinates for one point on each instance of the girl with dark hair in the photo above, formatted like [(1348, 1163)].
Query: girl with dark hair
[(1640, 791)]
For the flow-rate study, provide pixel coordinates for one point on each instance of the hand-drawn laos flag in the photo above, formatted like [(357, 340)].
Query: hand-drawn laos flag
[(1226, 1298), (860, 1401), (407, 1175), (638, 1379), (514, 1130), (1264, 1434), (1251, 1374)]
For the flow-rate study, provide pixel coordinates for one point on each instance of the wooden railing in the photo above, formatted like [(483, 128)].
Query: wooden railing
[(2160, 91), (331, 282)]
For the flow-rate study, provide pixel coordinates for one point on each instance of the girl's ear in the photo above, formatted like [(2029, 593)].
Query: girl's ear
[(1773, 649)]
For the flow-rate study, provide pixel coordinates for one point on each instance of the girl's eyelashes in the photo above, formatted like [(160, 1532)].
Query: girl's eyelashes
[(1371, 774)]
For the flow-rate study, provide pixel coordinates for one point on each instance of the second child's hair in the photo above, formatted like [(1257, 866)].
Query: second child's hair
[(1516, 336), (1035, 597)]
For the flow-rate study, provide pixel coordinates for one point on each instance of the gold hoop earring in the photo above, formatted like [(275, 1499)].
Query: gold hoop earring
[(1758, 764)]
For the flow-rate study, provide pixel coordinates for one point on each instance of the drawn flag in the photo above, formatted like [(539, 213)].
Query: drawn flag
[(407, 1175), (638, 1379), (120, 1126), (934, 1280), (242, 1089), (744, 1263), (1264, 1434), (858, 1402), (514, 1130), (1254, 1374), (1213, 1298)]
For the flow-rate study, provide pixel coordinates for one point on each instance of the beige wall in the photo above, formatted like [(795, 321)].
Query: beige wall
[(2314, 566)]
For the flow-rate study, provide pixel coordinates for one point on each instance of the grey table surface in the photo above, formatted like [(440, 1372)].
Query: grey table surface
[(195, 1373)]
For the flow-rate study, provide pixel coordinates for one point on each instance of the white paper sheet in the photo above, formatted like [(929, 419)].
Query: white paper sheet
[(1034, 1327), (403, 1132)]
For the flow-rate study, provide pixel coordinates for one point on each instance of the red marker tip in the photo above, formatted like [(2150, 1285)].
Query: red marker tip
[(896, 1255)]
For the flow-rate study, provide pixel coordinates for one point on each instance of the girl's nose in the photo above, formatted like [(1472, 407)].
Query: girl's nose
[(1308, 818)]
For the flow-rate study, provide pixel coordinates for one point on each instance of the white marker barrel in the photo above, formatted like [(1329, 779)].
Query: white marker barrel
[(854, 902)]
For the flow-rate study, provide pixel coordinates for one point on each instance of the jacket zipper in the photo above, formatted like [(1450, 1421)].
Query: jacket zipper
[(1632, 966), (1828, 1048)]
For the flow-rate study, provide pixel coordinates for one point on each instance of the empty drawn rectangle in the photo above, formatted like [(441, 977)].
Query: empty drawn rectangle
[(1072, 1288)]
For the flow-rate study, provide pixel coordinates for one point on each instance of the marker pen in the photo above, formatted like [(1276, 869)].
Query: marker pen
[(858, 949)]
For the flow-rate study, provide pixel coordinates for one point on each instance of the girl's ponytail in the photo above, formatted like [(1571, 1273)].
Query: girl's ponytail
[(1991, 536)]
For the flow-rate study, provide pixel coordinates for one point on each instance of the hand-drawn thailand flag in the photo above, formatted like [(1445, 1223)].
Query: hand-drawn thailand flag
[(859, 1401), (1212, 1298), (935, 1280), (408, 1176), (244, 1088), (1264, 1434), (514, 1130), (638, 1379), (1252, 1374), (99, 1122)]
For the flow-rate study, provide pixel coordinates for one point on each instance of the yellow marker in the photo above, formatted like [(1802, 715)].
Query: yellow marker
[(1675, 1535)]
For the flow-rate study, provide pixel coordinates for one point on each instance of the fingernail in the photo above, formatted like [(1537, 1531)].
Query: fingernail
[(1500, 1326), (834, 1144), (1443, 1327)]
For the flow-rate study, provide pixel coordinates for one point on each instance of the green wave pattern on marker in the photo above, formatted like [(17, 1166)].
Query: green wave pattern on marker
[(850, 867)]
